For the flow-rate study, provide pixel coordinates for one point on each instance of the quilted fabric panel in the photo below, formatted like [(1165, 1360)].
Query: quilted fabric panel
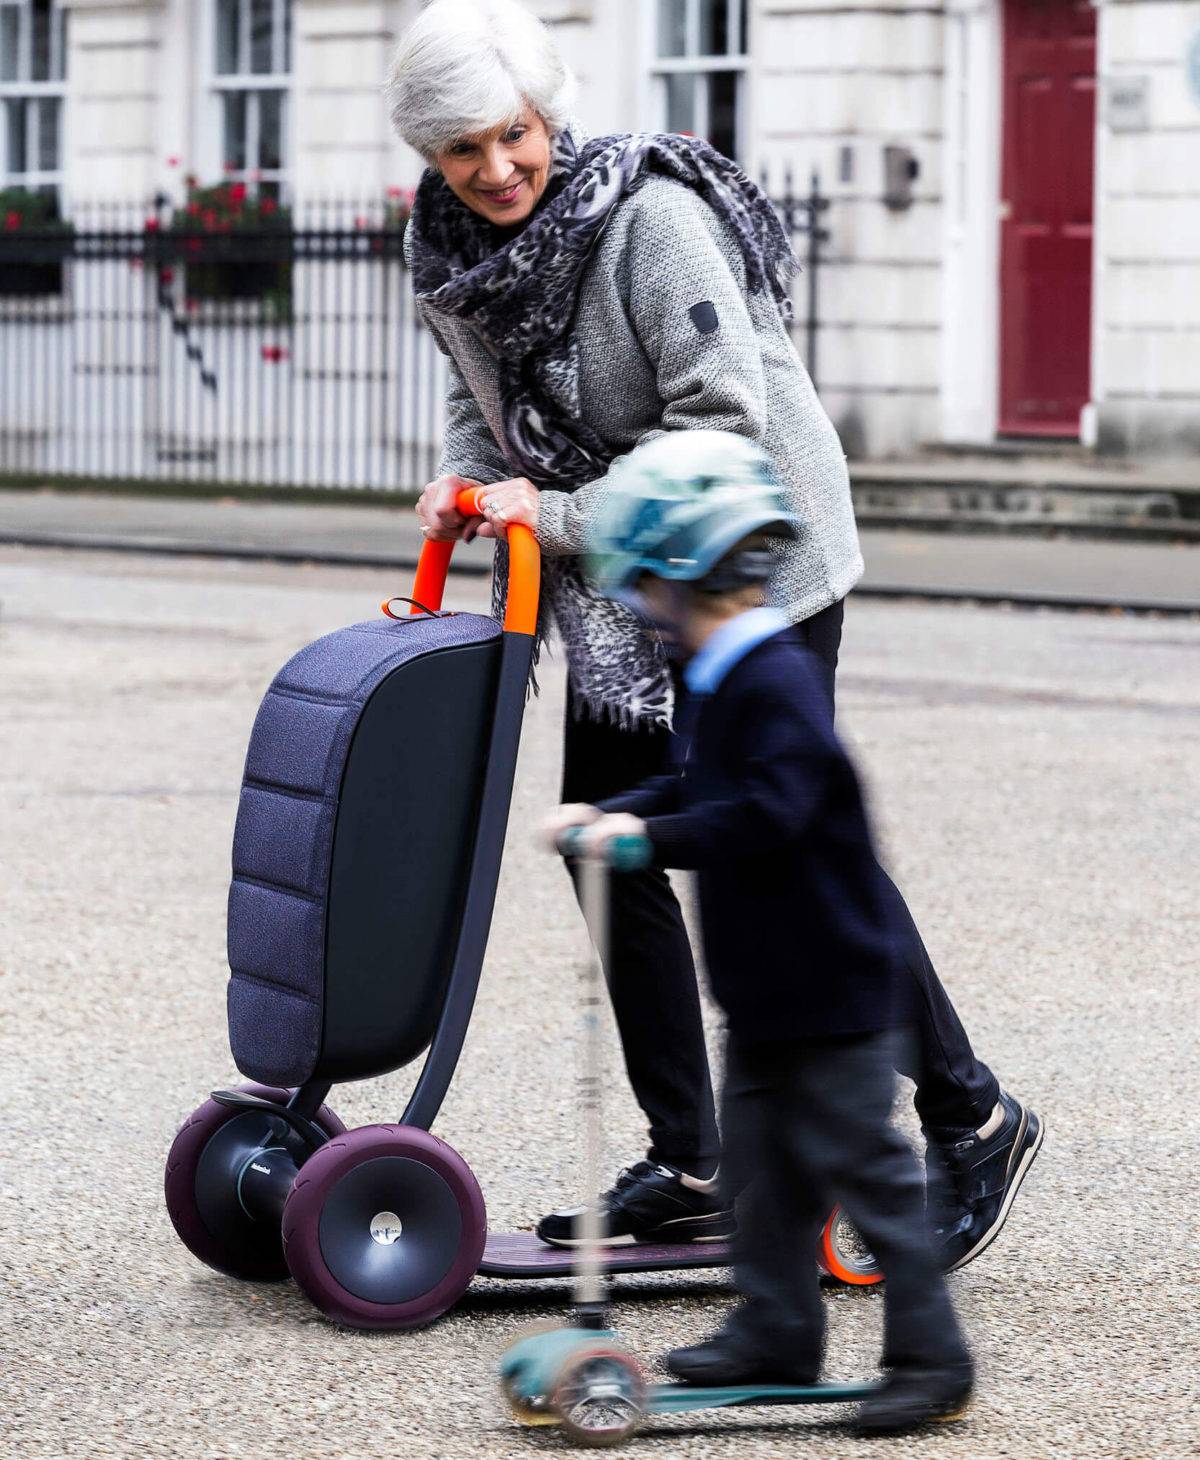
[(280, 838), (283, 838)]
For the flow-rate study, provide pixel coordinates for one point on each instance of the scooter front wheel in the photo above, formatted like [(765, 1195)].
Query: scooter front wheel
[(844, 1255), (384, 1227), (599, 1396)]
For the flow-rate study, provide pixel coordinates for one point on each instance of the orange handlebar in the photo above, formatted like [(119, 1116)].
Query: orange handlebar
[(524, 570)]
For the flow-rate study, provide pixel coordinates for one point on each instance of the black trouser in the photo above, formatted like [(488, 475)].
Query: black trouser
[(807, 1123), (652, 979)]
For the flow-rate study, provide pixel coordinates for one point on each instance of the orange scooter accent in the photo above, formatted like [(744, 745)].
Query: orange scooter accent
[(862, 1271), (524, 571)]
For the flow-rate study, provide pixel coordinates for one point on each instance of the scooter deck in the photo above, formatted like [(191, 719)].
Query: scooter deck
[(522, 1255), (682, 1398)]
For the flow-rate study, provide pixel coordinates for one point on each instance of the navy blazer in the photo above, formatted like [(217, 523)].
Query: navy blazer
[(762, 801)]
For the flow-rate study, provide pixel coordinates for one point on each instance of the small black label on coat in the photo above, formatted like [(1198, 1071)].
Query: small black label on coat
[(704, 317)]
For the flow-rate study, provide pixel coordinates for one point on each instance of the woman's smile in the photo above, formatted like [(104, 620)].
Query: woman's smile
[(503, 197)]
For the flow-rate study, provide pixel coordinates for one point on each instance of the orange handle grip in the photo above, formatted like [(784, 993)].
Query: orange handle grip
[(524, 570)]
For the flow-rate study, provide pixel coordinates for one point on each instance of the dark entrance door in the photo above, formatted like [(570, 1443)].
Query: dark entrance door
[(1046, 229)]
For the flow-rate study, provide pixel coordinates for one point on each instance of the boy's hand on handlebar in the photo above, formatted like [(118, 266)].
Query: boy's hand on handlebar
[(440, 519), (573, 814), (594, 839)]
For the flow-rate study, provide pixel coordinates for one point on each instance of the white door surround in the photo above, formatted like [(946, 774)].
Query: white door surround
[(971, 245)]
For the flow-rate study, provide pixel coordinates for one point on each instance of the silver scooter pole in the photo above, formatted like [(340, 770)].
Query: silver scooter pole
[(625, 854)]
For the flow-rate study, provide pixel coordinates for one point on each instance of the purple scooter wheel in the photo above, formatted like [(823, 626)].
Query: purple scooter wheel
[(384, 1227), (200, 1184)]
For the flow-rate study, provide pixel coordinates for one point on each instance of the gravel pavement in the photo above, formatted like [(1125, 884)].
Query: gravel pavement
[(1035, 776)]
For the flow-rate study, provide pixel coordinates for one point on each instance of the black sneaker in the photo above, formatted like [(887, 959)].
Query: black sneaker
[(909, 1398), (972, 1182), (720, 1362), (649, 1203)]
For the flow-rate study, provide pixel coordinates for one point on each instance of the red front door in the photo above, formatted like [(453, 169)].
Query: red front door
[(1046, 229)]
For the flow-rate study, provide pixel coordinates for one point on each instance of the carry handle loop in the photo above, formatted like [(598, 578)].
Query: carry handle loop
[(524, 570)]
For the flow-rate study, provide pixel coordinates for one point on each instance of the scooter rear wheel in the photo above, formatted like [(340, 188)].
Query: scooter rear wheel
[(844, 1255), (384, 1227), (200, 1184)]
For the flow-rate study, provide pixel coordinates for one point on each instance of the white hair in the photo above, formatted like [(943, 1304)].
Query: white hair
[(466, 67)]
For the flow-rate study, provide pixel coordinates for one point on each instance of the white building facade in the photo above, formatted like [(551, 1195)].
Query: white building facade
[(1015, 184)]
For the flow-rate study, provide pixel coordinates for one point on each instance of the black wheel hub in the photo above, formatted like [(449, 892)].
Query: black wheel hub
[(219, 1172)]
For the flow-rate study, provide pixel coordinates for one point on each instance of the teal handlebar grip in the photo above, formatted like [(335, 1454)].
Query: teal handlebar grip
[(623, 853), (629, 853)]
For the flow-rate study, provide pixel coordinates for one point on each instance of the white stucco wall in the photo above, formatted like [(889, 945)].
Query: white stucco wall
[(1146, 340), (832, 88)]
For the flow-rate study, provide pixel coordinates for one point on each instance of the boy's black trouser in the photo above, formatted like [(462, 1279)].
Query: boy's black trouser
[(652, 978), (807, 1123)]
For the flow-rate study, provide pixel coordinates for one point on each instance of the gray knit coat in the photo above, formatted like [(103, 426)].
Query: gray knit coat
[(653, 360)]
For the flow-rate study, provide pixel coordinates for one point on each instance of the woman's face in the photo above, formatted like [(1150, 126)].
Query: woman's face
[(503, 173)]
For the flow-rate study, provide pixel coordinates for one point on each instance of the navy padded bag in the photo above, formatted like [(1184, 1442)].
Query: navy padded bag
[(354, 826)]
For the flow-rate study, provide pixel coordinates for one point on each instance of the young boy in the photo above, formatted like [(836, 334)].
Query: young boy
[(764, 804)]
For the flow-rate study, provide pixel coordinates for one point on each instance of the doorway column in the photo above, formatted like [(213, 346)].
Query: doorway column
[(970, 291)]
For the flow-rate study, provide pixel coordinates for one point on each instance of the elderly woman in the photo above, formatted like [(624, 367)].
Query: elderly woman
[(591, 295)]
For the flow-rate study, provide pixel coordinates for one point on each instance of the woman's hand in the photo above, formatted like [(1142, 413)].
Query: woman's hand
[(572, 814), (440, 519), (507, 503)]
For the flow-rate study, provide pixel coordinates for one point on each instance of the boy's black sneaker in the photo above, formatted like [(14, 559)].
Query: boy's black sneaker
[(909, 1398), (649, 1203), (972, 1182), (719, 1362)]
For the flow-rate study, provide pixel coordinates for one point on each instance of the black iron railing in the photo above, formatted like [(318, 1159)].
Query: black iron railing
[(154, 344)]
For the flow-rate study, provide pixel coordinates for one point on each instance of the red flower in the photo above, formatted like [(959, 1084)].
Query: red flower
[(267, 206), (360, 222), (172, 161), (193, 210), (12, 219), (273, 354), (166, 276), (237, 193), (209, 217), (153, 225)]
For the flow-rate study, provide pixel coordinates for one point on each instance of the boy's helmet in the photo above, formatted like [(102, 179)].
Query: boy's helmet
[(677, 505)]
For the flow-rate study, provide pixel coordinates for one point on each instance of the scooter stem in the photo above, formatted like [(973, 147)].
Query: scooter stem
[(591, 1288)]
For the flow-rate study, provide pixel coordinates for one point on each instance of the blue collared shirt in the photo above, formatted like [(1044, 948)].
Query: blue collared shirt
[(730, 644)]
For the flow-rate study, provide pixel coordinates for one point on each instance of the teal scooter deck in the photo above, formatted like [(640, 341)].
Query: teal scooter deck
[(681, 1398)]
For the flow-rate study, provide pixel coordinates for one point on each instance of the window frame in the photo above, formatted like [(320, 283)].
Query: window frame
[(251, 85), (32, 94), (701, 64)]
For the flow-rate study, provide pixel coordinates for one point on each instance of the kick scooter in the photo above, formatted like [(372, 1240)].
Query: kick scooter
[(582, 1378)]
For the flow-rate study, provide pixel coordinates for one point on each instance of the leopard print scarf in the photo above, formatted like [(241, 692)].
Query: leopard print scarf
[(520, 294)]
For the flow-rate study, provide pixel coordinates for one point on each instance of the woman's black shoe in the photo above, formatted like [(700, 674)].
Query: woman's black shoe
[(909, 1398), (650, 1202)]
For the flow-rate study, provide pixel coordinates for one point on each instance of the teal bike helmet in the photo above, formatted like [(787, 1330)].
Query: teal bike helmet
[(677, 506)]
